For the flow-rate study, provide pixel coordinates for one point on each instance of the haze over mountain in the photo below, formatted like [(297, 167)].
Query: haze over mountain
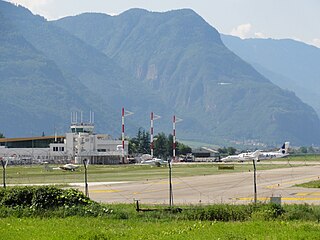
[(171, 62), (288, 63)]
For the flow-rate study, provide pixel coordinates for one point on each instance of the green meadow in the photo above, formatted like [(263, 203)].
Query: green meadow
[(101, 228), (121, 221)]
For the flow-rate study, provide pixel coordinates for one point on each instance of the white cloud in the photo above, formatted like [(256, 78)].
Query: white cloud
[(242, 30), (316, 42)]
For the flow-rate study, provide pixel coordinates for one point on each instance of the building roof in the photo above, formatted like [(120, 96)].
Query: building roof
[(3, 140)]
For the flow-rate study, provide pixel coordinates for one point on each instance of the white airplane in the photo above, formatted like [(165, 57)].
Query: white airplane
[(69, 167), (242, 157), (148, 159), (154, 161), (282, 152)]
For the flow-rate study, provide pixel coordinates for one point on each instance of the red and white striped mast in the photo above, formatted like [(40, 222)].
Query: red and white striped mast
[(152, 118), (174, 144), (124, 113), (122, 135), (174, 121), (151, 134), (174, 137)]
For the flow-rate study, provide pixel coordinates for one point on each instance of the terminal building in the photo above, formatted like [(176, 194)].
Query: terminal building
[(79, 144)]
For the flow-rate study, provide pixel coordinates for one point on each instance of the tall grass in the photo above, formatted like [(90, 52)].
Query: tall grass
[(102, 228)]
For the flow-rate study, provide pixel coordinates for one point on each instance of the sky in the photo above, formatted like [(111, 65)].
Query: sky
[(278, 19)]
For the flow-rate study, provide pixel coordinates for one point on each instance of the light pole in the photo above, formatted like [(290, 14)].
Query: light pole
[(85, 164), (4, 166), (254, 181)]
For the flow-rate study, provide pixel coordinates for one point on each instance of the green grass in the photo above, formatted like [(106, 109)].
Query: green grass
[(36, 174), (302, 158), (311, 184), (102, 228)]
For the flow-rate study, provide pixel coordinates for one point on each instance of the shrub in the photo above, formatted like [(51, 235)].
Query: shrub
[(44, 197)]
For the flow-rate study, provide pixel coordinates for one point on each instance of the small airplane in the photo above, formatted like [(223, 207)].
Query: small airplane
[(154, 161), (242, 157), (282, 152), (69, 167)]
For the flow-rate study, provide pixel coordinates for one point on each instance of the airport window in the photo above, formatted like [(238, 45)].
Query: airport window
[(102, 150), (61, 149)]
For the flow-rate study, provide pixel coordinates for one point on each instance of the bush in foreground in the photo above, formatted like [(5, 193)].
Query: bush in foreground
[(51, 201)]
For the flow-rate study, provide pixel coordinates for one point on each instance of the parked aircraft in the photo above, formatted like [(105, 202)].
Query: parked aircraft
[(282, 152), (69, 167), (148, 159), (242, 157), (259, 155), (154, 161)]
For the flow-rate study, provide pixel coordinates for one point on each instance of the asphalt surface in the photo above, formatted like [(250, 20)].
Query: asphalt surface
[(235, 188)]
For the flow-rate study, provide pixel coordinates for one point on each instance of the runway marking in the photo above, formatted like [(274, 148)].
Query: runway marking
[(105, 191), (307, 194), (291, 182), (163, 182)]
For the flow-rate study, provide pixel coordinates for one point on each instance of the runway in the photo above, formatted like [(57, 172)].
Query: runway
[(234, 188)]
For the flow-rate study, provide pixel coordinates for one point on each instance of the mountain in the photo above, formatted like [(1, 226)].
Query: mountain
[(169, 63), (93, 80), (288, 63), (183, 60)]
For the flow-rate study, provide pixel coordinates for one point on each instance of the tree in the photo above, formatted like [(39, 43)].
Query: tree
[(183, 149), (161, 146), (140, 143), (1, 135), (231, 151), (303, 149)]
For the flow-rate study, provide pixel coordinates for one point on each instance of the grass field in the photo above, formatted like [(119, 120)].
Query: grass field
[(102, 228), (36, 174), (311, 184)]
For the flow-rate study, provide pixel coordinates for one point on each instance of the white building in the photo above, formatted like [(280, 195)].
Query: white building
[(81, 143)]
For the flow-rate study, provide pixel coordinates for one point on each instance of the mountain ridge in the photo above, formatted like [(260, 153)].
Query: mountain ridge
[(168, 63)]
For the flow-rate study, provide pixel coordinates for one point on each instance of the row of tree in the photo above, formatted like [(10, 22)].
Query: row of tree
[(162, 145)]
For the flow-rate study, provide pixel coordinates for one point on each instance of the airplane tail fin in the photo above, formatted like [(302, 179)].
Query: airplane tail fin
[(284, 148), (256, 154)]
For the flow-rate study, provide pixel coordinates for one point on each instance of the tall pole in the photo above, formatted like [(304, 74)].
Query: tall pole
[(124, 113), (170, 162), (151, 134), (170, 184), (122, 134), (4, 165), (255, 181), (85, 163), (174, 138)]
